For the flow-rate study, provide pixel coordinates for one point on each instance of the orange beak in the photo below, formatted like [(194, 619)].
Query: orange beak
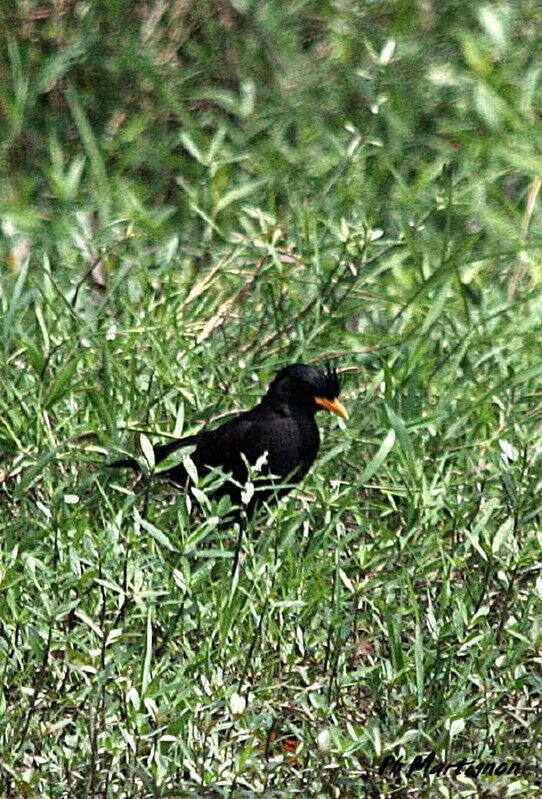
[(334, 405)]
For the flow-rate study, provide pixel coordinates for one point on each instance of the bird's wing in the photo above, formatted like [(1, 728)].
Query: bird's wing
[(248, 437), (225, 446)]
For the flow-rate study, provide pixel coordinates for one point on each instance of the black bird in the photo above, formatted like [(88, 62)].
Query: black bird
[(281, 425)]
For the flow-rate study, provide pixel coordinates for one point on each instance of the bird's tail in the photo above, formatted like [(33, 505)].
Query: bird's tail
[(123, 463), (160, 453), (164, 450)]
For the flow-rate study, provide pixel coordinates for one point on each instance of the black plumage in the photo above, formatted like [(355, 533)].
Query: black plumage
[(281, 425)]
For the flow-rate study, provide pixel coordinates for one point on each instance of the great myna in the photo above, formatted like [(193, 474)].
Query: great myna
[(281, 427)]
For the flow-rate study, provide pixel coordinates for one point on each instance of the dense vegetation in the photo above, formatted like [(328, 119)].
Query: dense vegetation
[(193, 195)]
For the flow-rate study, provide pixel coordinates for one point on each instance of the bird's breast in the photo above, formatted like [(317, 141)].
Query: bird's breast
[(293, 447)]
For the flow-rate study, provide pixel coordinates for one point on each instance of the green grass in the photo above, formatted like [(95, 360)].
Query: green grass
[(188, 206)]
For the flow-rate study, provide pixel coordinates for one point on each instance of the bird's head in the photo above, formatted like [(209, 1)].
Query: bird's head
[(305, 386)]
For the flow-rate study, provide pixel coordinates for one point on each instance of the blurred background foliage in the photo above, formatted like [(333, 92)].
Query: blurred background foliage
[(143, 142), (171, 115)]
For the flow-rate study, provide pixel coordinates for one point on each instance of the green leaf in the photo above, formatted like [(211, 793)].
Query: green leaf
[(379, 457), (148, 450), (502, 535), (13, 306), (401, 431), (62, 383), (34, 472), (157, 534), (237, 194)]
